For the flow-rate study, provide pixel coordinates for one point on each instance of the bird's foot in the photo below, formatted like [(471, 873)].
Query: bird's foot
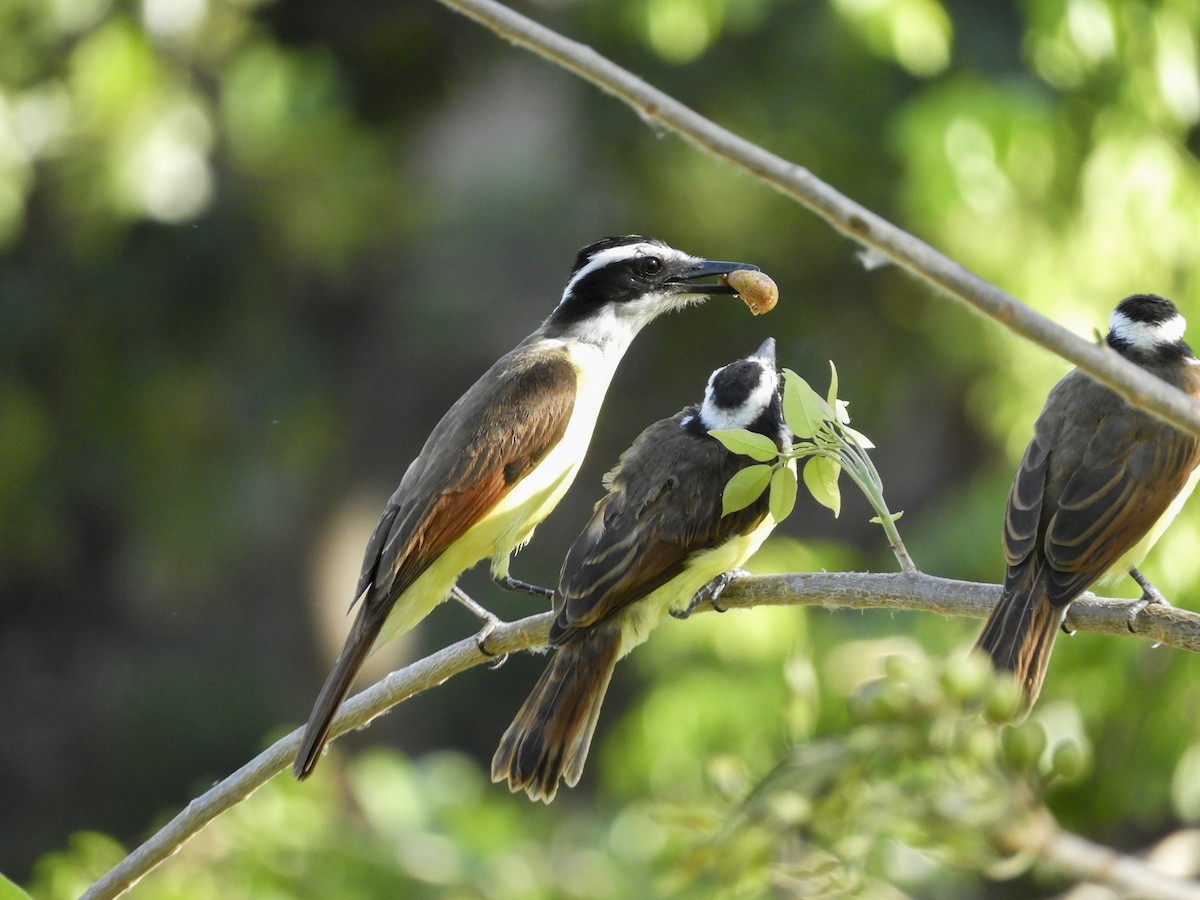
[(711, 592), (515, 584), (1150, 595), (490, 623)]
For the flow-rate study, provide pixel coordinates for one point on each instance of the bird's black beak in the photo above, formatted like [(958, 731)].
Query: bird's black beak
[(685, 281), (766, 350)]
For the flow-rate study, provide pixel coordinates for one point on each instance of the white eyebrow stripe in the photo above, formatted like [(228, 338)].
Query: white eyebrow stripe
[(1147, 335), (618, 254)]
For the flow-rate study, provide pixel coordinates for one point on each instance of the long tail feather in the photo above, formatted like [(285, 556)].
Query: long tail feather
[(1019, 635), (333, 692), (548, 740)]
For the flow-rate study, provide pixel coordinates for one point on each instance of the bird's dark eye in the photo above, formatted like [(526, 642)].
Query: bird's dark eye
[(649, 265)]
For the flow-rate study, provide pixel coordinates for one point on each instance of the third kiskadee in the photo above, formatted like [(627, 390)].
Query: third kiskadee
[(1097, 486)]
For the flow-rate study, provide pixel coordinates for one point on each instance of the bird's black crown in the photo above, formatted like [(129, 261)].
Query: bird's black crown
[(1149, 308)]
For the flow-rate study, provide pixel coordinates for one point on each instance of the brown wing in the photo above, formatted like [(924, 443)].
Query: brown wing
[(663, 505), (1093, 481), (495, 434), (1132, 469), (1023, 514), (1019, 633), (488, 441)]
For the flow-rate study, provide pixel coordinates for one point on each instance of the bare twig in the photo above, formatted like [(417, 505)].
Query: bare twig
[(1121, 874), (1098, 864), (1178, 855), (839, 211), (834, 590)]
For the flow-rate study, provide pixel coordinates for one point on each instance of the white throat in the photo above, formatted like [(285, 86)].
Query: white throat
[(613, 327)]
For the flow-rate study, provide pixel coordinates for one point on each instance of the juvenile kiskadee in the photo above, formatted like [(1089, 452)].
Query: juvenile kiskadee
[(656, 543), (505, 453), (1097, 486)]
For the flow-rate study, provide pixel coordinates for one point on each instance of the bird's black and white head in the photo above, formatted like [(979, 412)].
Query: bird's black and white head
[(745, 394), (1149, 329), (620, 284)]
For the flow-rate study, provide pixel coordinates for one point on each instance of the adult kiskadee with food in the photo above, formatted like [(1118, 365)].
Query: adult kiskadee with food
[(505, 453), (656, 543), (1097, 486)]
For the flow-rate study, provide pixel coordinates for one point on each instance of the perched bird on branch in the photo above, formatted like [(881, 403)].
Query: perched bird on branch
[(656, 543), (1097, 487)]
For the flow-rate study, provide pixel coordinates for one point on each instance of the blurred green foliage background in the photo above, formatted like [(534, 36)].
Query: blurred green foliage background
[(250, 252)]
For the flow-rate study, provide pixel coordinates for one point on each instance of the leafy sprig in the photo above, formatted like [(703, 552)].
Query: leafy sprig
[(824, 445)]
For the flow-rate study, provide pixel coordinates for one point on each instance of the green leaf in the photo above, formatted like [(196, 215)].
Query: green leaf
[(832, 399), (804, 410), (744, 488), (878, 520), (9, 891), (747, 443), (783, 492), (821, 479)]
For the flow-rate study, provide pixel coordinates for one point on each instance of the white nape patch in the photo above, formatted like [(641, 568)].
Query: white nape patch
[(612, 255), (1147, 335), (743, 416)]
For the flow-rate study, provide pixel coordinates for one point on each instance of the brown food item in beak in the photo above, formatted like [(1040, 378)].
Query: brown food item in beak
[(756, 289)]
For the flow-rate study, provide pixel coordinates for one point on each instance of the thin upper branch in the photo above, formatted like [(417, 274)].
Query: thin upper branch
[(845, 215), (833, 590)]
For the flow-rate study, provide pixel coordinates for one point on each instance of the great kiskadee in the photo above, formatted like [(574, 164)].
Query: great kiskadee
[(505, 453), (656, 543), (1097, 486)]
